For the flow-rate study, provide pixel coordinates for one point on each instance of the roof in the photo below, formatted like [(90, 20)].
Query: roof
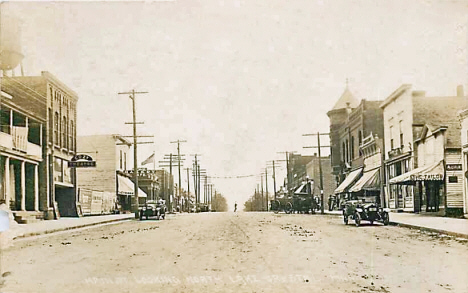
[(441, 111), (346, 98)]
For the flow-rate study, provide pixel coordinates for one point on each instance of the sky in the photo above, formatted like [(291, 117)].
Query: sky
[(238, 80)]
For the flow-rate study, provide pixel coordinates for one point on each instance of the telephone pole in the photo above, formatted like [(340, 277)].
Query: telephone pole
[(178, 155), (164, 163), (288, 171), (318, 134), (134, 202), (266, 188), (188, 190)]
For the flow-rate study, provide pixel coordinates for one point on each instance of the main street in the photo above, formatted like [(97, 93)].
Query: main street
[(237, 252)]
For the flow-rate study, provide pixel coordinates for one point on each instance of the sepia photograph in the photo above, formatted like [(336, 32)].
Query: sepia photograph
[(234, 146)]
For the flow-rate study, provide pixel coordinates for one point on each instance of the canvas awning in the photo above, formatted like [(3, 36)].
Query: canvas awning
[(125, 186), (370, 180), (302, 189), (348, 181), (433, 172)]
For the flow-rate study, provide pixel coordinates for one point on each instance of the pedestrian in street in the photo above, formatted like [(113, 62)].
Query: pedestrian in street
[(235, 207)]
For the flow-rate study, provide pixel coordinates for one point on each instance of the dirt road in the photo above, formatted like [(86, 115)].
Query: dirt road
[(243, 252)]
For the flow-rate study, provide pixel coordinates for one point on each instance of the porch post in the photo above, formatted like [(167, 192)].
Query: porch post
[(23, 186), (36, 188), (7, 181)]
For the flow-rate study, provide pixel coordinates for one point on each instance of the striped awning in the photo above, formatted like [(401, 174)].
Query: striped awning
[(125, 186), (433, 172), (370, 180), (348, 181)]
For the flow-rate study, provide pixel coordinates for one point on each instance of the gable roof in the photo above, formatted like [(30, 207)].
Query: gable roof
[(441, 111), (346, 97)]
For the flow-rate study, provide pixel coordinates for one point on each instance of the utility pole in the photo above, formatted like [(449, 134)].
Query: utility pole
[(318, 134), (274, 179), (178, 156), (266, 186), (134, 202), (261, 196), (188, 190)]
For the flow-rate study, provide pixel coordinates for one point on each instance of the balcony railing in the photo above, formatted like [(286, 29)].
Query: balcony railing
[(20, 143)]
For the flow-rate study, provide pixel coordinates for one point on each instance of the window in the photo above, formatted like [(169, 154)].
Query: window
[(56, 128), (391, 137), (401, 133), (352, 149), (125, 161), (401, 140), (121, 159), (71, 135), (391, 144), (453, 179), (5, 114), (64, 132)]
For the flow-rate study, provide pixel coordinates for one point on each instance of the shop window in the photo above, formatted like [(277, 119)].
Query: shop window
[(66, 173), (58, 170), (5, 114)]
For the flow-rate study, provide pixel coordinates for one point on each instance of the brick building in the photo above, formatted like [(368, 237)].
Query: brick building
[(313, 171), (56, 103), (350, 123)]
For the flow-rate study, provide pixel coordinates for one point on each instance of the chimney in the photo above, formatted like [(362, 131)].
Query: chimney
[(460, 91)]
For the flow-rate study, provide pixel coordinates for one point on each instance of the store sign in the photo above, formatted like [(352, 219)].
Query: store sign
[(427, 177), (454, 167), (81, 161)]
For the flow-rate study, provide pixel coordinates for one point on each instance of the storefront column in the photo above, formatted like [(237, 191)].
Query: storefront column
[(7, 181), (36, 188), (23, 185)]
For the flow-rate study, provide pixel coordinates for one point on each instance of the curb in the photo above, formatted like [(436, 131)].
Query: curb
[(427, 229), (30, 234)]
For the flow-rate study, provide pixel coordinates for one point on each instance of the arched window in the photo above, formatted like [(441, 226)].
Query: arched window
[(64, 132), (71, 135), (56, 128)]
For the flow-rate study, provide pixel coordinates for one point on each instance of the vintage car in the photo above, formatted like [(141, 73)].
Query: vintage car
[(359, 210), (301, 201), (153, 208)]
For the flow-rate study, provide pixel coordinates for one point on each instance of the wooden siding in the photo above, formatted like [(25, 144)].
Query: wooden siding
[(454, 190)]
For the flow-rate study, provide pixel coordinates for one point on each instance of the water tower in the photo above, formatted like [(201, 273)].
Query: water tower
[(10, 40)]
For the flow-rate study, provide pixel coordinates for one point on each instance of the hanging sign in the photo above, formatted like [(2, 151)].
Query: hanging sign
[(81, 161)]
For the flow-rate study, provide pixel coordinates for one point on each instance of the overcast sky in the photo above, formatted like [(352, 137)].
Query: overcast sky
[(239, 80)]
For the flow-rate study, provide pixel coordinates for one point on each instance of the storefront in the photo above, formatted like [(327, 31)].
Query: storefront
[(342, 191), (125, 192), (368, 186), (428, 184)]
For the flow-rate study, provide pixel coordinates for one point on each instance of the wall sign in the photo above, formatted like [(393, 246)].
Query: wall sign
[(81, 161), (454, 167)]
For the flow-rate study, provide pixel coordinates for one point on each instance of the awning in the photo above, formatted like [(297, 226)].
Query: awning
[(302, 189), (434, 172), (370, 180), (348, 181), (125, 186)]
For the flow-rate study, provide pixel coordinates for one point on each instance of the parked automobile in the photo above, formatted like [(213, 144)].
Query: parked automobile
[(153, 208), (359, 210)]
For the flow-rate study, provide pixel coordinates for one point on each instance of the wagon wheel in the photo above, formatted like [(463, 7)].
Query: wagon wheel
[(288, 208), (357, 219)]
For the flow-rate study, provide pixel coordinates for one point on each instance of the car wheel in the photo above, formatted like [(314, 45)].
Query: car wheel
[(288, 208), (386, 219), (357, 219), (345, 219)]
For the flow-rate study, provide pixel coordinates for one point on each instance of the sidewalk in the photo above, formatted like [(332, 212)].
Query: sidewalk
[(443, 225), (51, 226)]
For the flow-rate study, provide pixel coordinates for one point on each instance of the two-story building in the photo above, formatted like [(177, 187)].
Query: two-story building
[(59, 142), (23, 119), (108, 186), (423, 158)]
